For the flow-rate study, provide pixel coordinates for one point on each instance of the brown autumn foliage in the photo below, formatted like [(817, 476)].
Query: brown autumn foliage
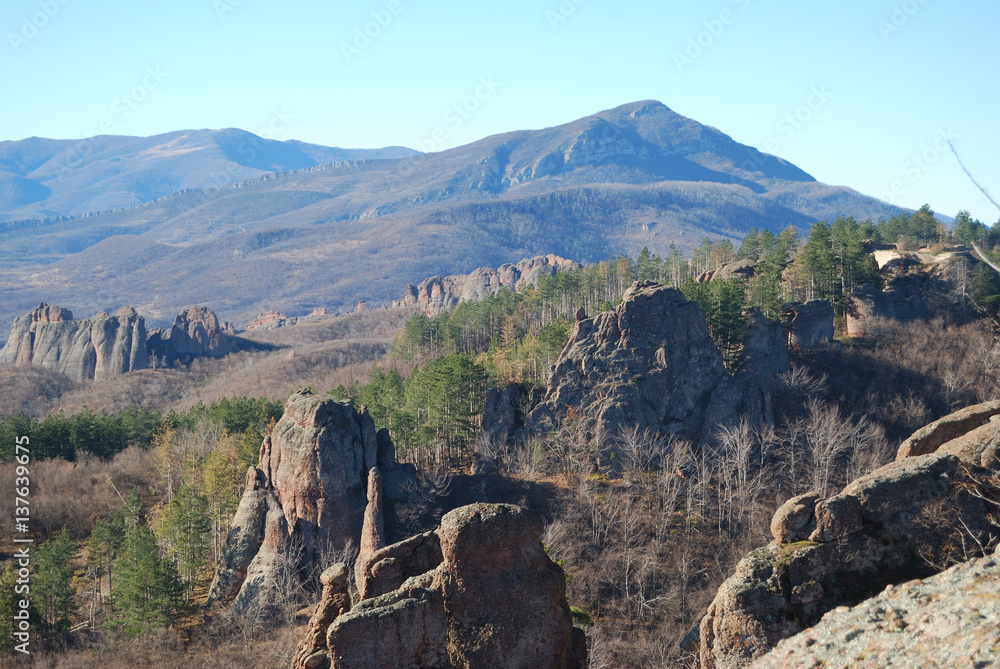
[(645, 539)]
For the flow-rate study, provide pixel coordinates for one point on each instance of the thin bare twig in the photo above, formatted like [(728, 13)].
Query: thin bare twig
[(972, 179)]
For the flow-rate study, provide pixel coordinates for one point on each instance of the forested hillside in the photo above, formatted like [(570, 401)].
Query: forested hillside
[(134, 503)]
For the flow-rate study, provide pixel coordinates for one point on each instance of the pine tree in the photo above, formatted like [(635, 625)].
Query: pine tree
[(147, 591), (186, 528), (103, 547), (53, 584)]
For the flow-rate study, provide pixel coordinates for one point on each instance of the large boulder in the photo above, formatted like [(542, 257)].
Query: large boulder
[(304, 498), (737, 269), (86, 349), (495, 600), (947, 620), (908, 519), (649, 362), (505, 599)]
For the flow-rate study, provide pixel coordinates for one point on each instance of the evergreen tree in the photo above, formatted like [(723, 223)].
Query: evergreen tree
[(750, 248), (186, 527), (105, 543), (147, 591), (53, 581), (817, 261)]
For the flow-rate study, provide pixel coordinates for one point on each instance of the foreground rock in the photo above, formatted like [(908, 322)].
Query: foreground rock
[(495, 600), (84, 349), (437, 293), (304, 496), (906, 520), (949, 620), (335, 600)]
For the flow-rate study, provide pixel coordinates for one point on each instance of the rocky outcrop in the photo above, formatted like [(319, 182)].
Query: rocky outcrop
[(910, 287), (810, 324), (305, 495), (247, 575), (960, 427), (908, 519), (268, 321), (437, 293), (334, 601), (85, 349), (649, 362), (948, 620), (738, 269), (500, 412), (495, 600), (372, 530), (389, 567), (196, 333)]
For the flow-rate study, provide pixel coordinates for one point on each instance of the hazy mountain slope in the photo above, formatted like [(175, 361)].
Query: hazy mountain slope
[(329, 235), (45, 177)]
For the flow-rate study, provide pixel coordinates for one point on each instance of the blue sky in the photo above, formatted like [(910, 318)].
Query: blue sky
[(861, 93)]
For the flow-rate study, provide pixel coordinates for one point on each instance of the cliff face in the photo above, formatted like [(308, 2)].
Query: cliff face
[(85, 349), (649, 362)]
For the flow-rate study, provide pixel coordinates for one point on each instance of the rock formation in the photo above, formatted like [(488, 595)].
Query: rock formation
[(372, 530), (304, 496), (948, 620), (738, 269), (810, 324), (908, 519), (334, 601), (196, 333), (495, 600), (388, 568), (500, 412), (83, 349), (439, 293), (649, 362), (912, 287), (268, 321)]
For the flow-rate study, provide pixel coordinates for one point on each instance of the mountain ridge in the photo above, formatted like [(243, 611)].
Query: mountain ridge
[(333, 234)]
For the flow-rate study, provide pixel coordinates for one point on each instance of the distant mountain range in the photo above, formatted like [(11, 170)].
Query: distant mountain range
[(56, 177), (303, 226)]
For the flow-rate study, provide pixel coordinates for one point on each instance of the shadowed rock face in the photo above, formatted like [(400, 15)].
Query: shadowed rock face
[(196, 333), (495, 600), (810, 324), (304, 496), (905, 520), (649, 362), (84, 349)]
